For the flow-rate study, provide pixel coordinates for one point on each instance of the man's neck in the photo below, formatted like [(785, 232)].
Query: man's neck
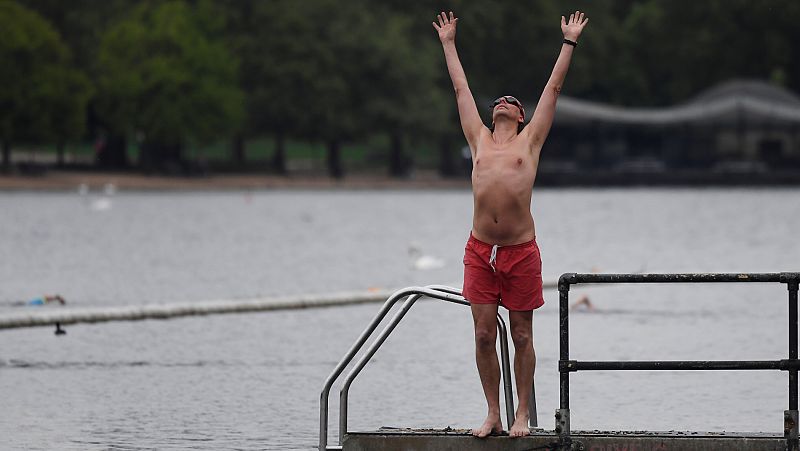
[(504, 132)]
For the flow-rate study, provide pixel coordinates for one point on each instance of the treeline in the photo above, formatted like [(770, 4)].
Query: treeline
[(169, 75)]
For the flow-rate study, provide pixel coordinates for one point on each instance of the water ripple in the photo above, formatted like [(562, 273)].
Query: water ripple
[(46, 365)]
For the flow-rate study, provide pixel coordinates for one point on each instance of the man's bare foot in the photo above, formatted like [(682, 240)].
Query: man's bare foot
[(492, 424), (520, 427)]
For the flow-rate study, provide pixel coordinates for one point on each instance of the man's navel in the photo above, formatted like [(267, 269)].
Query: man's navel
[(519, 161)]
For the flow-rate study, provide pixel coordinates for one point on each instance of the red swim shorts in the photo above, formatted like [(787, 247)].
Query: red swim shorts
[(508, 275)]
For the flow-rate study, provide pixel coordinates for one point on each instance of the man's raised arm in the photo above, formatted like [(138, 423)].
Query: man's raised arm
[(470, 119), (546, 108)]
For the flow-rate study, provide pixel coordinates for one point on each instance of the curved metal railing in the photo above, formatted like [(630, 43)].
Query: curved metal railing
[(411, 294)]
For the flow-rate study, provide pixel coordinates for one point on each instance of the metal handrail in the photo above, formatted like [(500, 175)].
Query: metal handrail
[(440, 292), (567, 366)]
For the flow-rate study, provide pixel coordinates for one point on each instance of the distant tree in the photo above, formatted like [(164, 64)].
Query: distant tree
[(672, 50), (432, 103), (305, 72), (82, 24), (42, 98), (241, 27), (401, 98), (635, 52), (68, 98), (277, 45), (373, 73), (335, 47), (166, 76)]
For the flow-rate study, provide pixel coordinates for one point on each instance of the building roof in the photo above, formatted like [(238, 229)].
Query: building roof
[(725, 104)]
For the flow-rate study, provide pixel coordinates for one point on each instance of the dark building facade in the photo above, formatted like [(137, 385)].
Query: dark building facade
[(744, 127)]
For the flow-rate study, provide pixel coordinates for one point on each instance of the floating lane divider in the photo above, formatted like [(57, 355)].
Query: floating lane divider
[(34, 316), (61, 316)]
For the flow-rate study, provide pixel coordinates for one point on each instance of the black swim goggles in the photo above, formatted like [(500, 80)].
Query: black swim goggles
[(509, 99)]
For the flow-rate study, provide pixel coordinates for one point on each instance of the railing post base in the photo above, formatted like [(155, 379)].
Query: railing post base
[(562, 428), (790, 429)]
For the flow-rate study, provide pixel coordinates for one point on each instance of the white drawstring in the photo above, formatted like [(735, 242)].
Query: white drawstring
[(493, 257)]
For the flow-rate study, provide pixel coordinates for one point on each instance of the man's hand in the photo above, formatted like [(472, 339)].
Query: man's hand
[(446, 27), (572, 28)]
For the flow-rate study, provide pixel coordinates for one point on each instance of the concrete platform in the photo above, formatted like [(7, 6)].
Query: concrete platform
[(391, 439)]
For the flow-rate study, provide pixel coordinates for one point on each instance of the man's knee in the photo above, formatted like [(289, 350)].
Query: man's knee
[(522, 338), (485, 337), (521, 329)]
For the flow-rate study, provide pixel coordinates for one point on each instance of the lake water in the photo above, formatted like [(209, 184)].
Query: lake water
[(252, 381)]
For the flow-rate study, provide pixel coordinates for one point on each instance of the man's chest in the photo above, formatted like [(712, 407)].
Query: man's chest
[(504, 161)]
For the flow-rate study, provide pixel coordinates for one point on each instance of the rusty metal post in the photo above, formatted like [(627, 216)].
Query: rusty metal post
[(790, 417), (563, 429), (790, 429), (562, 414), (563, 315)]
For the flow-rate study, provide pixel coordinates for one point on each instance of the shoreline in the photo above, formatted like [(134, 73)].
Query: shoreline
[(55, 180), (69, 180)]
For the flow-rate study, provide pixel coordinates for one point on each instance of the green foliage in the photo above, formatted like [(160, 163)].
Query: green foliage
[(401, 70), (282, 69), (634, 52), (673, 50), (81, 24), (161, 74), (335, 70), (329, 70), (41, 96)]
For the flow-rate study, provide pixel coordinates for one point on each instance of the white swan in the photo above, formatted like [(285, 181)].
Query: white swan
[(110, 189), (423, 262), (101, 203)]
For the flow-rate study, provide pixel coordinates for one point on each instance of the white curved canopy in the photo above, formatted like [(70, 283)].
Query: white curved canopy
[(726, 104)]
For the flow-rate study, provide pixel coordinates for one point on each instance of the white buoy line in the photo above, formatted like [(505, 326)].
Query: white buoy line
[(32, 317), (36, 317)]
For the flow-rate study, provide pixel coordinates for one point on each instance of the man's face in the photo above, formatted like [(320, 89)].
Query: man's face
[(508, 106)]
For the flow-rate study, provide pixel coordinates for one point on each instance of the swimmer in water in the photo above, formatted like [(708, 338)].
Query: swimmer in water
[(44, 300), (583, 304)]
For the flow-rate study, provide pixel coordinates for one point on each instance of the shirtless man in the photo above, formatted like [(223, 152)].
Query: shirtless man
[(501, 260)]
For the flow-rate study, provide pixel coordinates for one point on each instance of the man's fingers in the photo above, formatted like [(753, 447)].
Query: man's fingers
[(444, 20), (571, 18), (577, 13), (563, 21), (580, 18), (585, 21)]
